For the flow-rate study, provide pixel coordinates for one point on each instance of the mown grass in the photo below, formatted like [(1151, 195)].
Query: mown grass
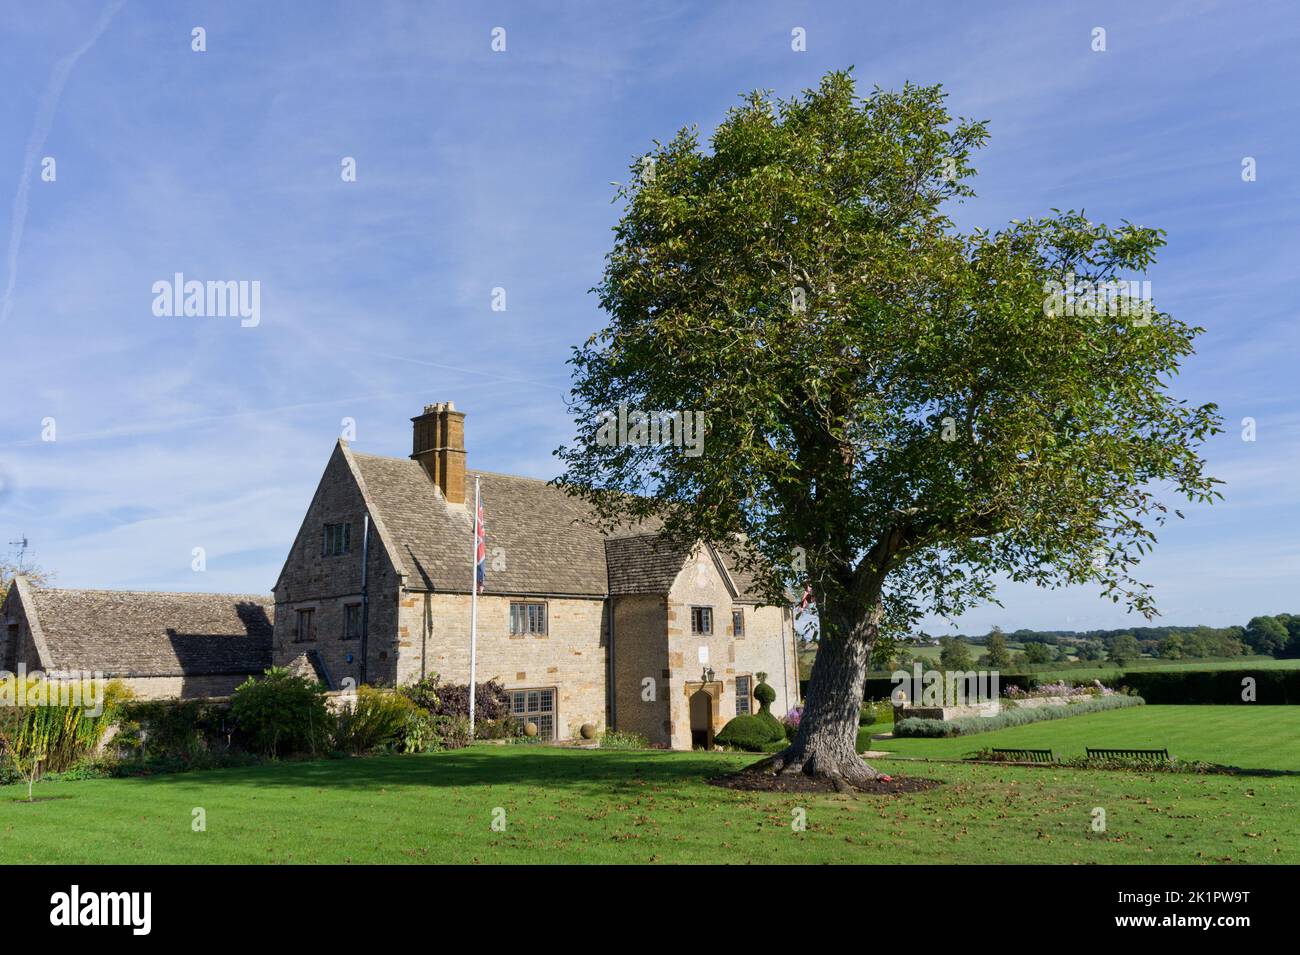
[(1249, 736), (566, 805)]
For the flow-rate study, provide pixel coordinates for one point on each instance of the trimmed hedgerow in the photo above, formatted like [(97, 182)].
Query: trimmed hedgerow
[(1213, 686), (966, 726)]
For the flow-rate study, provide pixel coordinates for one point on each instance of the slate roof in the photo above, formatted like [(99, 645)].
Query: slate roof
[(128, 633), (545, 545), (549, 541), (642, 564)]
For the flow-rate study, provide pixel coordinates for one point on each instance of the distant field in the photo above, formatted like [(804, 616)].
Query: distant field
[(1248, 736), (1104, 670)]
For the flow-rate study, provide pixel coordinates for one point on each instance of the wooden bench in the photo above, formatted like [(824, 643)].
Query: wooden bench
[(1025, 755), (1154, 755)]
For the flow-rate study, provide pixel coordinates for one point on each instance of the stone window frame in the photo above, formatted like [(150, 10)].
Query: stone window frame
[(523, 714), (336, 543), (738, 617), (706, 614), (348, 608), (747, 696), (308, 614), (527, 631)]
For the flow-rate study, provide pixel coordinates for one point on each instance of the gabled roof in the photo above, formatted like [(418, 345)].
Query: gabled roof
[(643, 564), (129, 633), (540, 540)]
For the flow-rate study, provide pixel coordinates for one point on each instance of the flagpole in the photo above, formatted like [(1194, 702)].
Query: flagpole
[(473, 613)]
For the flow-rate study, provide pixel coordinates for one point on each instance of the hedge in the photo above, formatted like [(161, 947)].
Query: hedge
[(966, 726), (1272, 687)]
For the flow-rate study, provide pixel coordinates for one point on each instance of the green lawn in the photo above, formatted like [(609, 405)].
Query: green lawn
[(565, 805), (1249, 736)]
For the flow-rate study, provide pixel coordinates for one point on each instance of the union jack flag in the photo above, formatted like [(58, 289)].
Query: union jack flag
[(480, 552), (807, 597)]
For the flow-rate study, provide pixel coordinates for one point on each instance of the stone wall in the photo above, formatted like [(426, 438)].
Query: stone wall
[(16, 644), (641, 653), (571, 656), (766, 646), (326, 585), (183, 687)]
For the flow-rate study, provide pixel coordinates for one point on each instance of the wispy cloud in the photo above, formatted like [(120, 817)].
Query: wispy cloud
[(45, 110)]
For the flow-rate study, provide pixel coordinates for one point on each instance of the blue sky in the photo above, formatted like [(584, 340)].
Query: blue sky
[(478, 169)]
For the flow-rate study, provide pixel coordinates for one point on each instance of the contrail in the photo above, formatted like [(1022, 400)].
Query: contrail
[(36, 142)]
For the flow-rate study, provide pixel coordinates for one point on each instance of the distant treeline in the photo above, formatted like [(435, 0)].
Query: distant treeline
[(1277, 636)]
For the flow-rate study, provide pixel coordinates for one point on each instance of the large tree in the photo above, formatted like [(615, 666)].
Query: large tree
[(897, 412)]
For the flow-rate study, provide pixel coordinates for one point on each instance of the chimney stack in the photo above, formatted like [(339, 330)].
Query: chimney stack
[(440, 448)]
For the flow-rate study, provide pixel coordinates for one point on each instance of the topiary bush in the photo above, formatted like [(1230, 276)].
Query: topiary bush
[(281, 714), (752, 732), (765, 695)]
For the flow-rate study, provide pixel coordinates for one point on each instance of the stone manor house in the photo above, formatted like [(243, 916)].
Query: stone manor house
[(617, 630)]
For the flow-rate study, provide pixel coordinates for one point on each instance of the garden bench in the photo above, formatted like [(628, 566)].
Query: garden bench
[(1151, 754), (1025, 755)]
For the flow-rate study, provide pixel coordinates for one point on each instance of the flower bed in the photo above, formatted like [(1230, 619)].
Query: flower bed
[(979, 724)]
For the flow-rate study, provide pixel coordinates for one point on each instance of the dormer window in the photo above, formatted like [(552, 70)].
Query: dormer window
[(337, 540)]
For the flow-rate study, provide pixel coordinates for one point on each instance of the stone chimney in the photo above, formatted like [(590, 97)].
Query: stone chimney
[(440, 448)]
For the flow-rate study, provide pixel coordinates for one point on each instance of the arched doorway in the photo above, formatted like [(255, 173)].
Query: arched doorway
[(701, 719)]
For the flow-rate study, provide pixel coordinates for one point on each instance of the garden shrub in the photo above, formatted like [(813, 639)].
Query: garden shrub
[(281, 714), (863, 741), (751, 732), (376, 719), (452, 732), (791, 721), (616, 739), (866, 713), (914, 727), (506, 727), (765, 695), (492, 719), (181, 728), (38, 738)]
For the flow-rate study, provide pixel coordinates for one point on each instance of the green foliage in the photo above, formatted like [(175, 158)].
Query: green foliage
[(751, 732), (1125, 649), (952, 427), (765, 695), (43, 727), (863, 741), (954, 654), (452, 731), (1039, 653), (1271, 687), (377, 719), (871, 712), (1267, 635), (996, 654), (281, 714), (505, 727), (913, 727), (172, 728), (616, 739)]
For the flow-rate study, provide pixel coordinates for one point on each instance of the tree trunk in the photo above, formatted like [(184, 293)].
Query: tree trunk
[(825, 744)]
